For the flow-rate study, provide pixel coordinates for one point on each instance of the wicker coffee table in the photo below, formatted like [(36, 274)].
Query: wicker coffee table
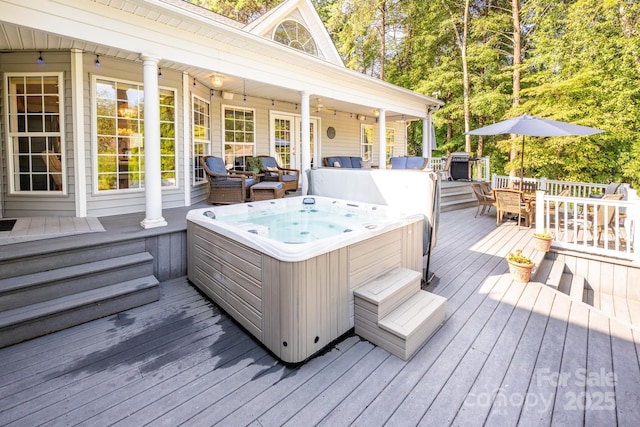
[(266, 191)]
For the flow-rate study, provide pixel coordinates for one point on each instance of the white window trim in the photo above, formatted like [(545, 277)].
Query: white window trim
[(94, 138), (223, 124), (391, 131), (364, 126), (9, 135), (208, 150)]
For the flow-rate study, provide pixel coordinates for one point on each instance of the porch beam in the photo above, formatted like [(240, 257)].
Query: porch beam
[(152, 175)]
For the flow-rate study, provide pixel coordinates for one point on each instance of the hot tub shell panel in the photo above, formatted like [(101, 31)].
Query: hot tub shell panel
[(295, 302)]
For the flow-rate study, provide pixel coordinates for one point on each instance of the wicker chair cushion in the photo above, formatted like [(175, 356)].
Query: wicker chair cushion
[(288, 178), (234, 183), (269, 163), (216, 164), (415, 162), (398, 163)]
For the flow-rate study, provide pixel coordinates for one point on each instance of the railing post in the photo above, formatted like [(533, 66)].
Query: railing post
[(540, 225), (487, 168), (543, 184), (494, 180), (633, 216)]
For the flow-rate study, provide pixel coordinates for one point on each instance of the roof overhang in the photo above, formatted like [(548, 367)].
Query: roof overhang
[(195, 43)]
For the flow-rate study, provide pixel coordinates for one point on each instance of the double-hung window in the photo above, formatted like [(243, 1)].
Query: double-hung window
[(35, 114), (119, 111), (389, 143), (239, 136), (366, 142), (201, 138)]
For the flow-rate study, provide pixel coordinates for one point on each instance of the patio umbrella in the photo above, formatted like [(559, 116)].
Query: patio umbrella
[(533, 126)]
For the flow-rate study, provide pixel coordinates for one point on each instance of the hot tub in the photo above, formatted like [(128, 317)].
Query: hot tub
[(286, 269)]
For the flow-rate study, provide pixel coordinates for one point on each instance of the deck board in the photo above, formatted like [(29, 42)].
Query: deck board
[(182, 360)]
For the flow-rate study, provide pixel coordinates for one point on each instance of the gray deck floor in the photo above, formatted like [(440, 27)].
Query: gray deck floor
[(507, 354)]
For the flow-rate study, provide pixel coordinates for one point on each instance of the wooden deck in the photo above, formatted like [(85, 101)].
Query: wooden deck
[(507, 354)]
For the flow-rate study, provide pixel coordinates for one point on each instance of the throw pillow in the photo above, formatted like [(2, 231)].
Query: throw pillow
[(337, 164)]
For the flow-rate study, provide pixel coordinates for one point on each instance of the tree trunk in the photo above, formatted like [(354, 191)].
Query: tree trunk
[(480, 148), (465, 78), (517, 61), (383, 16)]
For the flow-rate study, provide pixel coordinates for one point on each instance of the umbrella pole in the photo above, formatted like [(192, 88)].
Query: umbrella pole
[(522, 163)]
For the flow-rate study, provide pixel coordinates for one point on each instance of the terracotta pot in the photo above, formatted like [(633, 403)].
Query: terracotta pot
[(520, 272), (542, 244)]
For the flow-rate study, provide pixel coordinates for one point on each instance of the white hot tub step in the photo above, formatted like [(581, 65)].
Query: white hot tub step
[(389, 290), (405, 329)]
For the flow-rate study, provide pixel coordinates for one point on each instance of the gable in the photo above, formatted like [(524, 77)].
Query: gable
[(305, 15)]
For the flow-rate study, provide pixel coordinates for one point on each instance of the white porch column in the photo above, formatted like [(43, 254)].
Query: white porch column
[(427, 142), (77, 106), (382, 144), (186, 138), (305, 146), (152, 176)]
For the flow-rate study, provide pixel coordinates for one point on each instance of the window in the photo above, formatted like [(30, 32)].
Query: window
[(283, 141), (201, 138), (35, 130), (239, 136), (366, 143), (120, 135), (294, 34), (390, 142)]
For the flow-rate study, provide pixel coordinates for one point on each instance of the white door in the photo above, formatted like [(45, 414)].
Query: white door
[(286, 136)]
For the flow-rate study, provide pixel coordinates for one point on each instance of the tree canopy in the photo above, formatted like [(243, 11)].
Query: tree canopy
[(574, 60)]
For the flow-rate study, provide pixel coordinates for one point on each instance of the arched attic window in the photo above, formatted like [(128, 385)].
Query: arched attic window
[(294, 34)]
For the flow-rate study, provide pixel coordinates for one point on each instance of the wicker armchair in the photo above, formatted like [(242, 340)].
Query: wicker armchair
[(274, 173), (512, 201), (226, 187)]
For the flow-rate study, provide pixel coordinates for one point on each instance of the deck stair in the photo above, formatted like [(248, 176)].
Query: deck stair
[(57, 289), (457, 195), (393, 312)]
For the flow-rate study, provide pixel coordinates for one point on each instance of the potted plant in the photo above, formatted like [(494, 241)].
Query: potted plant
[(542, 241), (253, 164), (520, 266)]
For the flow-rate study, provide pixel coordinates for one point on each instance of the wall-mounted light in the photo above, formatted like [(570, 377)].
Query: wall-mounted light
[(351, 115), (244, 91), (40, 60), (159, 73), (194, 82), (212, 94), (217, 80), (97, 61), (296, 107), (335, 113), (273, 103)]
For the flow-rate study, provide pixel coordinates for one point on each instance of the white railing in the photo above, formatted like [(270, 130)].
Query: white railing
[(479, 171), (553, 187), (593, 225)]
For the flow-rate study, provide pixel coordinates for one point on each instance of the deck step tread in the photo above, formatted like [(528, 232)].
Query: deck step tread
[(383, 287), (576, 291), (408, 317), (12, 284), (43, 309), (555, 275)]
